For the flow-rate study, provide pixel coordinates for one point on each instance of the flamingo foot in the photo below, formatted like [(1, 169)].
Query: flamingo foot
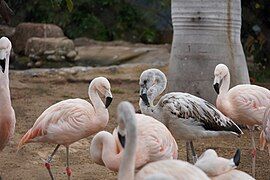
[(48, 167), (68, 170)]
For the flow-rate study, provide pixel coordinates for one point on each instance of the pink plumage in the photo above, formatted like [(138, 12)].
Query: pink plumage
[(155, 142), (71, 120), (244, 104), (7, 114), (265, 134)]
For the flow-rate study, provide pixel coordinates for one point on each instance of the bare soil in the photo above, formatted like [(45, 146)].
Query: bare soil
[(32, 94)]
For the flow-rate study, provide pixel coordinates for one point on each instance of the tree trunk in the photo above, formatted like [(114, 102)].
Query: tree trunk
[(206, 33)]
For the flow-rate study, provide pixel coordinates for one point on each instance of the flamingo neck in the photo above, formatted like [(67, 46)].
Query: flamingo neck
[(102, 114), (6, 72), (4, 87), (127, 166), (5, 97), (95, 99), (104, 150), (222, 102), (225, 85), (152, 93), (158, 87)]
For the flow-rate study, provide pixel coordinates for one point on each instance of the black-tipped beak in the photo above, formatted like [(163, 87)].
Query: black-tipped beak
[(216, 87), (108, 101), (236, 158), (3, 64), (145, 99), (122, 140)]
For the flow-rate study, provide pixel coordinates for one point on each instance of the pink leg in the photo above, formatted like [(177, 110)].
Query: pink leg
[(268, 145), (49, 160), (253, 152), (68, 170)]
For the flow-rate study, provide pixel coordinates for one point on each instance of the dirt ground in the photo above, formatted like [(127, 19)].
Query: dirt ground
[(32, 94)]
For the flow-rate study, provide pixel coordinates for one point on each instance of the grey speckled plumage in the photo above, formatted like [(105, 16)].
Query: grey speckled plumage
[(202, 113)]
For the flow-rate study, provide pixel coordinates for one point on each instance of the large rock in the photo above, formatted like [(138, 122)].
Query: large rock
[(104, 54), (51, 49), (7, 31), (24, 31)]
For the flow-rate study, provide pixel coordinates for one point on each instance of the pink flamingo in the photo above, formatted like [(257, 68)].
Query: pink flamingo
[(155, 142), (71, 120), (7, 114), (265, 134), (163, 169), (219, 168), (244, 104)]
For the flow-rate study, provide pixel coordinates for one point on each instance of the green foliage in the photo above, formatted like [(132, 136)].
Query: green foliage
[(97, 19)]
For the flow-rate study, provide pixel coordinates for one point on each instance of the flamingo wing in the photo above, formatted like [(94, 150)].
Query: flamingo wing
[(61, 123), (155, 142), (186, 107), (250, 100)]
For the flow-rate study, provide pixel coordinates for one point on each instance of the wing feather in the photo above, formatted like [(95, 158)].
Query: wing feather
[(60, 121), (251, 102), (185, 106)]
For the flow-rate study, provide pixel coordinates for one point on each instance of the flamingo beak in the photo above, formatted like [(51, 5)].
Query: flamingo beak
[(144, 97), (108, 102), (216, 87), (236, 158), (122, 140), (2, 59)]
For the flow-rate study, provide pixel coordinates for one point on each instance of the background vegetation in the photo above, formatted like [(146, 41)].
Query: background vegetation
[(146, 21), (104, 20)]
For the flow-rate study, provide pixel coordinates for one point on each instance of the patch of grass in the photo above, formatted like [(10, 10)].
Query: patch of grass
[(40, 90), (117, 91), (66, 96)]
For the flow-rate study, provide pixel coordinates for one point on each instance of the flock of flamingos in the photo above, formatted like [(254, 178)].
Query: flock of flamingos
[(142, 146)]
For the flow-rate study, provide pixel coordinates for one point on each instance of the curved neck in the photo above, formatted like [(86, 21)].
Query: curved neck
[(4, 84), (95, 99), (224, 88), (104, 150), (7, 67), (5, 95), (127, 166), (157, 88)]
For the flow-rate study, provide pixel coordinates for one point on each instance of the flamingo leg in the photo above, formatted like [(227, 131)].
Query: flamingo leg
[(49, 160), (267, 146), (187, 151), (253, 152), (68, 170), (194, 155)]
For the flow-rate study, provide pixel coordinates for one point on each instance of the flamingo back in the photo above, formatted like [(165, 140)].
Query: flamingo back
[(64, 123), (154, 141)]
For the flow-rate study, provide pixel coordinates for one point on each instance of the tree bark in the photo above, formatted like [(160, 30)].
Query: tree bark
[(206, 33), (5, 11)]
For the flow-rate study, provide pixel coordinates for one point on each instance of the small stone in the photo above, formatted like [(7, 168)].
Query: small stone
[(71, 54), (38, 64), (51, 57), (30, 64), (49, 52)]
